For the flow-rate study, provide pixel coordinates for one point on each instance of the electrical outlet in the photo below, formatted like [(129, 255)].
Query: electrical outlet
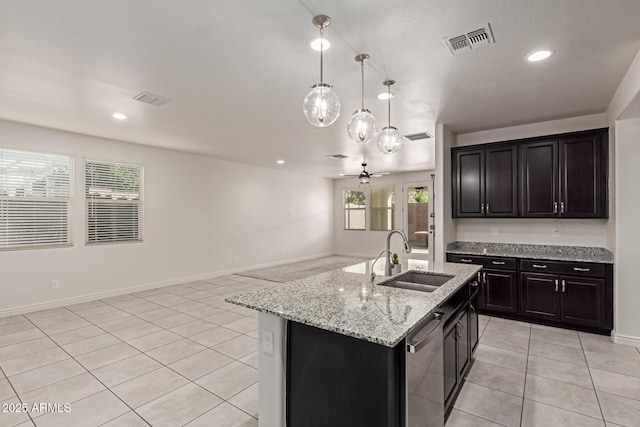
[(55, 284), (290, 214), (288, 251), (236, 258), (267, 342), (494, 231), (556, 234)]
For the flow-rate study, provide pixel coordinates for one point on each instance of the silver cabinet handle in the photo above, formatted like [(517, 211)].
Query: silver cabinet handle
[(581, 269), (555, 207), (556, 285), (465, 260), (561, 208), (539, 266), (484, 278), (488, 208), (497, 262), (564, 285), (482, 209), (415, 346)]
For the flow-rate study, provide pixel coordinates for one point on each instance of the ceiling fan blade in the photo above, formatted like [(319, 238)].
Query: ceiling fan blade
[(379, 174), (349, 176)]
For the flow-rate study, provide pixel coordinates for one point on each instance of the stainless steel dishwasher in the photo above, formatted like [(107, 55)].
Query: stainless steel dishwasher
[(425, 375)]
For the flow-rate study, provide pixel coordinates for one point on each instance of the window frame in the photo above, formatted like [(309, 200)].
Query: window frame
[(346, 210), (69, 201), (139, 203), (391, 209)]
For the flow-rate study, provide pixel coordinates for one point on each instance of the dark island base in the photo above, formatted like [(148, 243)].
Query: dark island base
[(339, 381)]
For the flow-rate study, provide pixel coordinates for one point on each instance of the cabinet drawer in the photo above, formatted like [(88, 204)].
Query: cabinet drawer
[(491, 262), (568, 268)]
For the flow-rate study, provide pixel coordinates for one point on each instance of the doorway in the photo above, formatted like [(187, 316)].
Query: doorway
[(417, 213)]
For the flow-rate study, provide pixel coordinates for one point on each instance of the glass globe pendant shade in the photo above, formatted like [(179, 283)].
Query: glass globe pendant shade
[(321, 106), (389, 140), (362, 126), (364, 180)]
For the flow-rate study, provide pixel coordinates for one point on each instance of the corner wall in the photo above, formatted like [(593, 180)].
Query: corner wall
[(199, 213)]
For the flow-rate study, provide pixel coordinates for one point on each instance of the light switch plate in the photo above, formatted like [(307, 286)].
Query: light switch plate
[(267, 342)]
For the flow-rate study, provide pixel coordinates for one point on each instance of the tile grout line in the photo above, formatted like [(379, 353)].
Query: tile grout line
[(17, 395), (97, 379), (170, 368), (141, 352), (526, 370), (595, 391)]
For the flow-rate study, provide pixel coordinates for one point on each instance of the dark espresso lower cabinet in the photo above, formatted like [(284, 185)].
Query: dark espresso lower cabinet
[(576, 295)]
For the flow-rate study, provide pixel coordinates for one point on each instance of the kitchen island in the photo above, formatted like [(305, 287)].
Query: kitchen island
[(333, 348)]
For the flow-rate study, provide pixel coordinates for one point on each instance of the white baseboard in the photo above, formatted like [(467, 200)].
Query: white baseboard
[(625, 339), (30, 308)]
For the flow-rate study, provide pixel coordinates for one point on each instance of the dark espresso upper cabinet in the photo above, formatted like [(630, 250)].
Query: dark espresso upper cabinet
[(539, 178), (583, 192), (485, 182), (558, 176)]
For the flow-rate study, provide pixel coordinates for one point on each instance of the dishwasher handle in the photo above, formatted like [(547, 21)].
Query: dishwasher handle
[(419, 340)]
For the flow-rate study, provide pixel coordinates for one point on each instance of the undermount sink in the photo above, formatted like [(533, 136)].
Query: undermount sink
[(422, 282)]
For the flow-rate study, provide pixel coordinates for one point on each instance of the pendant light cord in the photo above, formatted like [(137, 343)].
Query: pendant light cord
[(321, 53), (389, 106), (362, 74)]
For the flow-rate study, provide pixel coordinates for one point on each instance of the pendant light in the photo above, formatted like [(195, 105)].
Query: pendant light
[(362, 126), (321, 106), (389, 140)]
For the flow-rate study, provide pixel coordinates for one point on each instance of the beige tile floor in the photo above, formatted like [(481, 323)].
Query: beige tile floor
[(180, 355), (532, 375)]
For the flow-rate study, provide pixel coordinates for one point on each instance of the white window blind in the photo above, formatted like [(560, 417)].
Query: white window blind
[(35, 199), (355, 209), (114, 195)]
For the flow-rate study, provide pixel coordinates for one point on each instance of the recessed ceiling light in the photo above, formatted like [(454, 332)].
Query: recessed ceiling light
[(540, 55), (383, 96), (119, 116), (340, 174), (280, 162), (315, 44)]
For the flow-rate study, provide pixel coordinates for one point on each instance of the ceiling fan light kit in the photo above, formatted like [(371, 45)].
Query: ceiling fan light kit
[(321, 106), (362, 126)]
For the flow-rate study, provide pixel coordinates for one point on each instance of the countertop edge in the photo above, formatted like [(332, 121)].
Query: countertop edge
[(549, 257)]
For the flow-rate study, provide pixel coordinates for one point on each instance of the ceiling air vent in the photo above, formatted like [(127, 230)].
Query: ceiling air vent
[(462, 43), (151, 98), (337, 156), (417, 136)]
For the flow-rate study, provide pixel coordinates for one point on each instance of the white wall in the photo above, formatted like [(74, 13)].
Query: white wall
[(199, 213), (574, 232), (445, 225), (369, 243), (627, 291)]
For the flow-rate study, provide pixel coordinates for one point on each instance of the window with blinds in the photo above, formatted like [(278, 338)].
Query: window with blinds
[(114, 195), (35, 199), (382, 207)]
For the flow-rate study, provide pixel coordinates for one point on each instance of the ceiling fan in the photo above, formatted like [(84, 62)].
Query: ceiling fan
[(365, 176)]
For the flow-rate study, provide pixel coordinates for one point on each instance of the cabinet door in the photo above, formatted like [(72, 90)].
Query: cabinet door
[(581, 177), (468, 183), (501, 185), (473, 328), (582, 301), (463, 342), (539, 179), (499, 291), (539, 295), (450, 359)]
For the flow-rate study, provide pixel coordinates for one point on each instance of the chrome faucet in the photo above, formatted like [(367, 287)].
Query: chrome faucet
[(407, 249), (373, 275)]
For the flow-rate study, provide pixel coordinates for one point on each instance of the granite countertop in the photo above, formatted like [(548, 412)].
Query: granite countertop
[(548, 252), (341, 300)]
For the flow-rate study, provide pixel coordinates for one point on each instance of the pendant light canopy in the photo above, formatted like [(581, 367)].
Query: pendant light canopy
[(390, 140), (362, 126), (321, 106)]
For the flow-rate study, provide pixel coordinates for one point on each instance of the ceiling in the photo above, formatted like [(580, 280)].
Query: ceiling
[(237, 71)]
